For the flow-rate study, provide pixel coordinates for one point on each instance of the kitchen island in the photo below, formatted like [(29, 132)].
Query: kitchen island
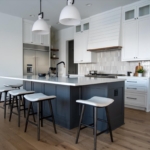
[(68, 90)]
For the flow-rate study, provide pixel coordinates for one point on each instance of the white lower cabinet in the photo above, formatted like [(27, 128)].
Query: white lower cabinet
[(135, 99), (137, 93)]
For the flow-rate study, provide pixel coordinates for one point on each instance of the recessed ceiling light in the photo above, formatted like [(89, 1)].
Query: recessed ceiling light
[(32, 15), (89, 4)]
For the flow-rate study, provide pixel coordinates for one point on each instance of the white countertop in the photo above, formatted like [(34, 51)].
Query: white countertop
[(132, 77), (72, 81)]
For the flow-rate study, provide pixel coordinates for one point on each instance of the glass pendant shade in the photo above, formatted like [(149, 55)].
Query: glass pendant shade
[(70, 16)]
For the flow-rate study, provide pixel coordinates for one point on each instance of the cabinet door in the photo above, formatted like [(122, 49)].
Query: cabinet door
[(78, 48), (143, 9), (36, 39), (45, 40), (130, 41), (129, 13), (86, 54), (27, 33), (144, 38)]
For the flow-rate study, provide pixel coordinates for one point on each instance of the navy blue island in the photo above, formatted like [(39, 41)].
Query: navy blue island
[(68, 90)]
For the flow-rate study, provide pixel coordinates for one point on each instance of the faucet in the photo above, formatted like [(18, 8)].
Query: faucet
[(62, 62)]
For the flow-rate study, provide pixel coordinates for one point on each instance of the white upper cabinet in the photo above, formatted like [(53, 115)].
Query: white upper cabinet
[(85, 26), (144, 38), (105, 29), (27, 34), (136, 32), (129, 13), (130, 40), (33, 38), (81, 34)]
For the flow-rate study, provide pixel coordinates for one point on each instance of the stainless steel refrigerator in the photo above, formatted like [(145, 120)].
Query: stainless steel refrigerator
[(36, 59)]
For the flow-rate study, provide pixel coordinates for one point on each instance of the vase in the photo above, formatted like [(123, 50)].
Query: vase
[(140, 74)]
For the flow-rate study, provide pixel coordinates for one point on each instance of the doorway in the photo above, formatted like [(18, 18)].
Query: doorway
[(72, 67)]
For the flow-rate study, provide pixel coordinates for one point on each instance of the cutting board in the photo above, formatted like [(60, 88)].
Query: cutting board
[(137, 68)]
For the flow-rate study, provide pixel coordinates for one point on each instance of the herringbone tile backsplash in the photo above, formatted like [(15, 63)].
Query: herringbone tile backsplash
[(110, 62)]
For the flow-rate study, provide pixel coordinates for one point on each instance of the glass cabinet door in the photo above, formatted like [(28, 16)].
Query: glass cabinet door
[(85, 26), (78, 28), (130, 14), (144, 10)]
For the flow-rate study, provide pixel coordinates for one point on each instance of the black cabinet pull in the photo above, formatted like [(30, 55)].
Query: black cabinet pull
[(132, 81), (132, 88), (131, 98)]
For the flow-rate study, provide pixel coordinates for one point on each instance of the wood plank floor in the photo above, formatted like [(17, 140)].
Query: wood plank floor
[(134, 135)]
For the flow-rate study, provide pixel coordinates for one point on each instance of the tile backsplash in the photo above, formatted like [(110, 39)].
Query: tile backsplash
[(110, 62)]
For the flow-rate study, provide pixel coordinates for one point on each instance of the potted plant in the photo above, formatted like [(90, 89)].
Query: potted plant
[(140, 72)]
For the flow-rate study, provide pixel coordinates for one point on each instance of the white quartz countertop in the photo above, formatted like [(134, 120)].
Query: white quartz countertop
[(72, 81)]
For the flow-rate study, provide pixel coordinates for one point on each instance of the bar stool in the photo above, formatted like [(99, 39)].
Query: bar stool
[(16, 86), (39, 98), (15, 94), (96, 102), (5, 90)]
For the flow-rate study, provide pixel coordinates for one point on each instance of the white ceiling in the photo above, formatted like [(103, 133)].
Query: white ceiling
[(52, 8)]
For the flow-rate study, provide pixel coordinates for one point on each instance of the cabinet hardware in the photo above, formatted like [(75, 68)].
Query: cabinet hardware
[(132, 81), (131, 98), (132, 88)]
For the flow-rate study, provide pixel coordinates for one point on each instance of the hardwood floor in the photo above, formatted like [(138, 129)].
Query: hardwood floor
[(134, 135)]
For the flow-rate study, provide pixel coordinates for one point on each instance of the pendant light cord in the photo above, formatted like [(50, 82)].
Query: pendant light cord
[(40, 6), (72, 1), (41, 13)]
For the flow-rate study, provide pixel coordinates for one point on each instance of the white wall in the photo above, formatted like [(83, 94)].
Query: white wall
[(62, 36), (11, 48)]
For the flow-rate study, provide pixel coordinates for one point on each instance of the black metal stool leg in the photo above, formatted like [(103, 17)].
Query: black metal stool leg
[(38, 121), (95, 128), (24, 107), (41, 109), (9, 101), (82, 112), (51, 110), (5, 99), (109, 126), (19, 100), (16, 102), (11, 108), (0, 96), (93, 120), (33, 112), (29, 107)]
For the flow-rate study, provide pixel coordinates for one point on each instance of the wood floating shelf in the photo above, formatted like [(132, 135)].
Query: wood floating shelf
[(54, 58), (106, 48), (55, 50)]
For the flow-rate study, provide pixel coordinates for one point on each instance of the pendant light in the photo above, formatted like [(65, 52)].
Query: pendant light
[(70, 15), (40, 26)]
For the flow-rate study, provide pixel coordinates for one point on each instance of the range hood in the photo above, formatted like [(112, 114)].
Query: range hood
[(105, 31), (105, 48)]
